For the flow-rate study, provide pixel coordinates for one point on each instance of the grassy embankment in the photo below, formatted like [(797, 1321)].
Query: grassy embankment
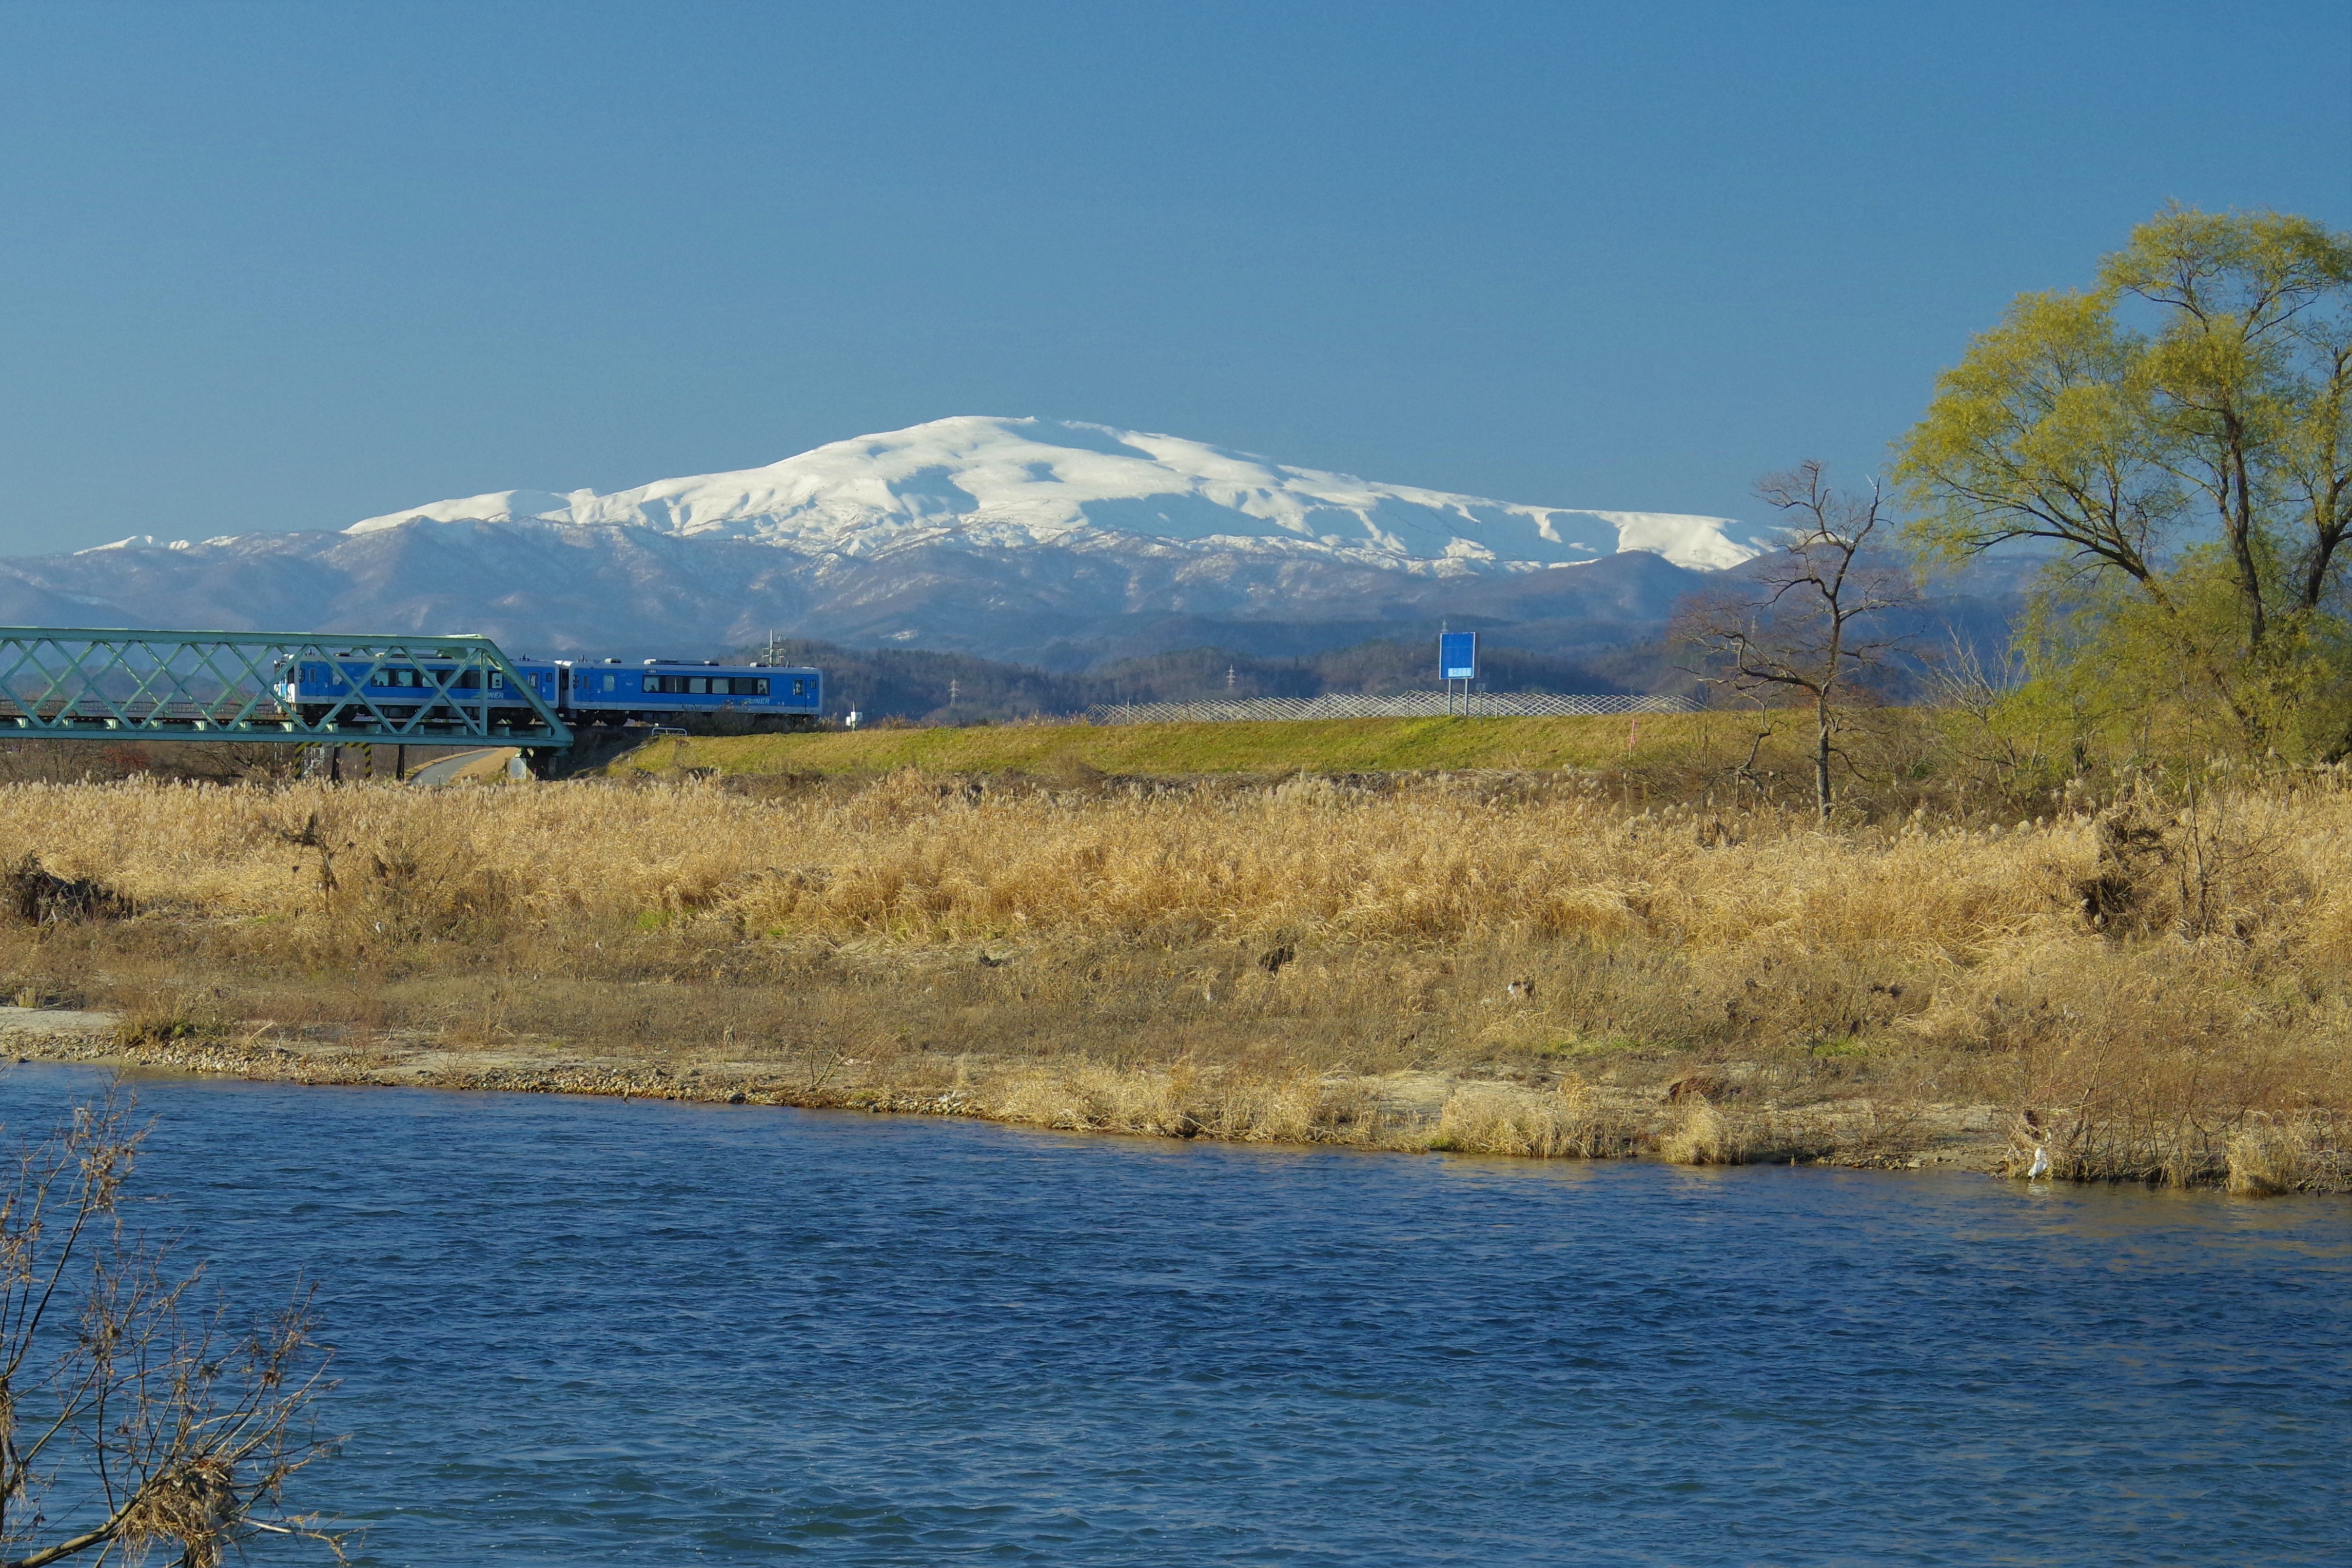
[(1326, 746), (1504, 962)]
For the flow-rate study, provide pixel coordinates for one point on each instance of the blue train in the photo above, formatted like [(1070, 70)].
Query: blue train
[(708, 697)]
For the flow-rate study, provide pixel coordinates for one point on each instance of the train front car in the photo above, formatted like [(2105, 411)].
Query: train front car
[(364, 695), (704, 699)]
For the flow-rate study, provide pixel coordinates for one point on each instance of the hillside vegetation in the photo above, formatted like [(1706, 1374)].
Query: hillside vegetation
[(935, 687)]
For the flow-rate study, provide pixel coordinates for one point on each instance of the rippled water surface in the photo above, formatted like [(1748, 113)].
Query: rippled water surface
[(581, 1332)]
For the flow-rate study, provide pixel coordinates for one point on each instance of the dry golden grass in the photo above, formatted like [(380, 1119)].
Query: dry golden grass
[(2163, 986)]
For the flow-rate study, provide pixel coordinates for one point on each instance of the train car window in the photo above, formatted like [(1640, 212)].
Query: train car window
[(603, 682), (705, 685)]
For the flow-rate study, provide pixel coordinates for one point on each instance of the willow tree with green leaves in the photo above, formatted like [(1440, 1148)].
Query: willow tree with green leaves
[(2180, 433)]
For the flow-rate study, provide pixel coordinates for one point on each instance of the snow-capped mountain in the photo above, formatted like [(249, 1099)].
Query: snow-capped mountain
[(1057, 542), (983, 483)]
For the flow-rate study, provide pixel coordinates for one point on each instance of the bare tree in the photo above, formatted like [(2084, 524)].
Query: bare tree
[(131, 1418), (1800, 624)]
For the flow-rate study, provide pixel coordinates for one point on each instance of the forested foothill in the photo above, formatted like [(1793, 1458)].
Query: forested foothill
[(917, 686)]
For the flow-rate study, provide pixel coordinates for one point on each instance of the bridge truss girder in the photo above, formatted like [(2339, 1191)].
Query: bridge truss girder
[(78, 683)]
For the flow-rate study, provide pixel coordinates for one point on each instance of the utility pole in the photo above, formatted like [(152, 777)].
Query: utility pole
[(1229, 678), (952, 689)]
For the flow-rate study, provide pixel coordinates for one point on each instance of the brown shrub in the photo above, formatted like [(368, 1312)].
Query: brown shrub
[(36, 897)]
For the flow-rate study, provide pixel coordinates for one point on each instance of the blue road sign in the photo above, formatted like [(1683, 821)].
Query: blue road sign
[(1457, 655)]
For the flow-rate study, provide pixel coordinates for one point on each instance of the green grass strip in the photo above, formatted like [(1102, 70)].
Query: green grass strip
[(1315, 746)]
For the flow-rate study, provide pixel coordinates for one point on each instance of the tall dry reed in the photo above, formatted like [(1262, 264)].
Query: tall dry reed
[(2152, 983)]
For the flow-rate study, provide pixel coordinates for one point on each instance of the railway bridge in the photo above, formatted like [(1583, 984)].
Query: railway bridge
[(82, 683)]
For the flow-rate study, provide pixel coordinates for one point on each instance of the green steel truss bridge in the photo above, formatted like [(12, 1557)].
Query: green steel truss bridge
[(78, 683)]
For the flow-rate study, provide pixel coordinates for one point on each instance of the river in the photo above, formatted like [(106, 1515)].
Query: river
[(584, 1331)]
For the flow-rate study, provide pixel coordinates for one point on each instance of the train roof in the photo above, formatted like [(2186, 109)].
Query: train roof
[(685, 663), (359, 657)]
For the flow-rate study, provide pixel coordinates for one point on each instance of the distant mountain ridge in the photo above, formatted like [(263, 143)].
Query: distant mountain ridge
[(979, 482), (1055, 543)]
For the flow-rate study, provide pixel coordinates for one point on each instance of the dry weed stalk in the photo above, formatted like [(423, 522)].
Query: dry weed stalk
[(1700, 1136), (1569, 1122), (129, 1418), (2274, 1154)]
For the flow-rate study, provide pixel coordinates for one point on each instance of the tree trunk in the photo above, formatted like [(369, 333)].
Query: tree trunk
[(1821, 754), (2238, 521)]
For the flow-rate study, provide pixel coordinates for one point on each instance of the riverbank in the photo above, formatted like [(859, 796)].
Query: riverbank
[(1510, 964), (1497, 963), (1403, 1111)]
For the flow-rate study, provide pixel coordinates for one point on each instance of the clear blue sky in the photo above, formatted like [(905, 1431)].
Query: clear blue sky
[(286, 266)]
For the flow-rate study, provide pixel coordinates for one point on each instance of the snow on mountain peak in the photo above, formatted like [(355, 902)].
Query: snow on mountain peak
[(977, 481)]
